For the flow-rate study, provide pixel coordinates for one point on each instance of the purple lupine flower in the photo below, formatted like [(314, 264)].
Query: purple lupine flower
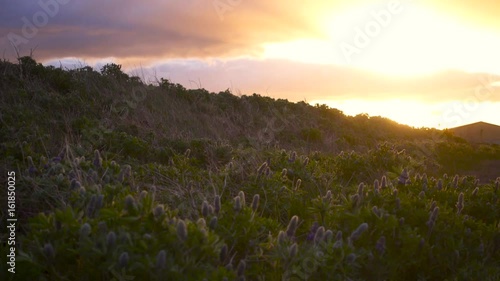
[(312, 231), (380, 246)]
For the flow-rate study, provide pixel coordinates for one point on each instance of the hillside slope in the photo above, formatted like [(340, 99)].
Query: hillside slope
[(116, 179)]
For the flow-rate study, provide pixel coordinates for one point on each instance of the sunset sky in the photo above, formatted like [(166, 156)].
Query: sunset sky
[(417, 62)]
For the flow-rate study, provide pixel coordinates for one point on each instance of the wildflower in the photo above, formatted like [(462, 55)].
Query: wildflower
[(48, 251), (30, 161), (158, 211), (268, 171), (361, 186), (125, 173), (213, 223), (312, 231), (439, 185), (380, 246), (475, 191), (376, 211), (464, 180), (357, 233), (31, 166), (338, 236), (130, 204), (421, 195), (241, 194), (123, 260), (187, 153), (337, 244), (237, 203), (182, 230), (217, 204), (97, 159), (75, 185), (293, 156), (292, 251), (143, 195), (82, 191), (306, 161), (328, 197), (398, 204), (328, 236), (223, 253), (281, 237), (110, 240), (161, 259), (91, 206), (424, 179), (262, 168), (284, 172), (319, 235), (460, 203), (292, 226), (255, 202), (102, 227), (433, 205), (432, 218), (355, 200), (85, 230), (201, 222), (99, 203), (241, 268), (418, 177), (403, 177), (204, 209), (454, 183), (298, 183), (421, 244), (351, 258), (376, 185), (383, 183)]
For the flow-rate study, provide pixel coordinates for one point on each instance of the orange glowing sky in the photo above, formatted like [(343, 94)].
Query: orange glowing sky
[(417, 62)]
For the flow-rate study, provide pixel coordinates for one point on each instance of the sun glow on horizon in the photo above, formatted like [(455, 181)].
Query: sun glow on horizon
[(413, 41), (416, 113)]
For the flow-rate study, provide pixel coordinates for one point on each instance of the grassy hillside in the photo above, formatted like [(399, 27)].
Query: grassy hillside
[(117, 178)]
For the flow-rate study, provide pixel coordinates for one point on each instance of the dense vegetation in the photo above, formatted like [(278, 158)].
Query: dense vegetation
[(117, 178)]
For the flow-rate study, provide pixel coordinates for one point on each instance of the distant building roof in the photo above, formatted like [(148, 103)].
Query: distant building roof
[(480, 132)]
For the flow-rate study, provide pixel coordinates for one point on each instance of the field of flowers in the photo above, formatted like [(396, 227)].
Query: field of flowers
[(106, 197)]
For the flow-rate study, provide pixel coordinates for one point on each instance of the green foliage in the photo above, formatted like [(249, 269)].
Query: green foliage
[(115, 71), (264, 190)]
